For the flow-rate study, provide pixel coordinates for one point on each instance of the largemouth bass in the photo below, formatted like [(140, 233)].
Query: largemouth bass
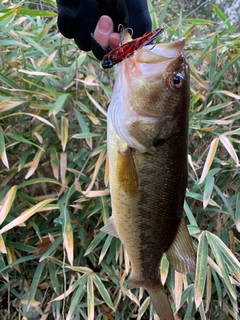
[(147, 149)]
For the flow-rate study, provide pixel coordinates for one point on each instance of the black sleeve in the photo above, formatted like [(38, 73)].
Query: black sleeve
[(78, 18)]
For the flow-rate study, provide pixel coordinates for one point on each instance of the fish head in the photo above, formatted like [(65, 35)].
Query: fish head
[(151, 94), (157, 79)]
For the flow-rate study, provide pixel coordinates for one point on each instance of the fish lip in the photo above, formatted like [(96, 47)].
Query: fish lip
[(159, 53)]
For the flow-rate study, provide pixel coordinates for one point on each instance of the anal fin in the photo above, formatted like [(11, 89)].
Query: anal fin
[(109, 228), (180, 254)]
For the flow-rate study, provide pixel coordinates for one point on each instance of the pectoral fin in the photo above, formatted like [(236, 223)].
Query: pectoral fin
[(181, 254), (109, 228), (126, 172)]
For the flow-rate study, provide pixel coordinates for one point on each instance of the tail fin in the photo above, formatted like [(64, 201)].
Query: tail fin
[(160, 303)]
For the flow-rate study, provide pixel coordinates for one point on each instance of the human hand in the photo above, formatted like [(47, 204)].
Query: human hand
[(79, 18)]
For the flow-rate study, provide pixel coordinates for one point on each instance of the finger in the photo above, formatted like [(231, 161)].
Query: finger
[(114, 40), (103, 31)]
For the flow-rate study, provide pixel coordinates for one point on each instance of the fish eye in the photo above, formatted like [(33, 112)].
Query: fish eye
[(176, 81)]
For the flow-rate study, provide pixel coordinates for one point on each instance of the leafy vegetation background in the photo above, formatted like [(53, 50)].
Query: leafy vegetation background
[(54, 195)]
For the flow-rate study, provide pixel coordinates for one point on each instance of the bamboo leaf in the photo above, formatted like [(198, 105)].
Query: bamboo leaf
[(237, 212), (102, 290), (100, 161), (59, 104), (164, 269), (67, 234), (209, 160), (51, 249), (7, 203), (3, 270), (90, 298), (213, 240), (201, 269), (84, 128), (64, 132), (105, 209), (97, 105), (63, 166), (229, 147), (198, 79), (25, 215), (77, 296), (95, 242), (208, 190), (54, 277), (231, 261), (11, 256), (35, 282), (54, 160), (105, 248), (143, 308), (38, 180), (178, 289), (209, 288), (36, 161), (3, 154), (222, 16), (2, 245), (85, 135)]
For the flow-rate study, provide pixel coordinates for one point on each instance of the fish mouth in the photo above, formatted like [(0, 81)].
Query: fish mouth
[(156, 58)]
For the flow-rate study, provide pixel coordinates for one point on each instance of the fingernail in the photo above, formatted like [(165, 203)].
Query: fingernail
[(104, 24)]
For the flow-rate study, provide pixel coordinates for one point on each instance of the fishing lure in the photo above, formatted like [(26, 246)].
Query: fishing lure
[(128, 49)]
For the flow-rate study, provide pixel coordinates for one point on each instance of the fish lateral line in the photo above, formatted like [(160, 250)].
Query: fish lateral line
[(129, 48)]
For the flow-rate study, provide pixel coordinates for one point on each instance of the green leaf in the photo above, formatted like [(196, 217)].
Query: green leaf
[(95, 242), (21, 260), (208, 190), (84, 128), (54, 277), (36, 281), (213, 241), (90, 298), (67, 233), (199, 21), (78, 294), (36, 13), (85, 135), (164, 268), (64, 132), (38, 180), (105, 209), (223, 17), (53, 247), (237, 212), (201, 270), (105, 248), (3, 269), (102, 290), (54, 160), (59, 104)]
